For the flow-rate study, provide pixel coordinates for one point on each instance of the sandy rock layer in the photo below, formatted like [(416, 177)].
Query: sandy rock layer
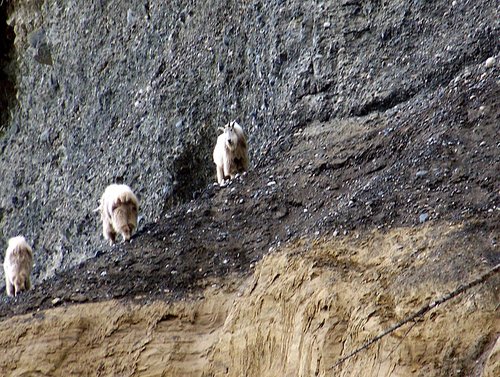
[(301, 310)]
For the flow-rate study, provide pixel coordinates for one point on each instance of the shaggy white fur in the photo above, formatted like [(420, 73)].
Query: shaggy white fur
[(231, 152), (17, 266), (119, 208)]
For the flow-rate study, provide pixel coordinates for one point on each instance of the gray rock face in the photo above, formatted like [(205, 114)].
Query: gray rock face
[(133, 92)]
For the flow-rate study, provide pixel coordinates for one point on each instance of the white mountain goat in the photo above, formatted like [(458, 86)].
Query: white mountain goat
[(231, 152), (119, 208), (17, 266)]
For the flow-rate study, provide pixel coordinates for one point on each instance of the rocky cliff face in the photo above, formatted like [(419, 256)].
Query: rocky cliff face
[(111, 91), (373, 186)]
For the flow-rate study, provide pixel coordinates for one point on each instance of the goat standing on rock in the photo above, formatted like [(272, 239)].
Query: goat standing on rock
[(231, 152), (119, 207), (17, 266)]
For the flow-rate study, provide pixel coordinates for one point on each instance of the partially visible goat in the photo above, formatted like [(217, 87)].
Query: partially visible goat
[(17, 266)]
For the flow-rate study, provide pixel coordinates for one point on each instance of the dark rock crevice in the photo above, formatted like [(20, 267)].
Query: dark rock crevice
[(7, 66)]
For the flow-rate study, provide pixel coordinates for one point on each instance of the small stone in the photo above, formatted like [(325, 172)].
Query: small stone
[(423, 217), (421, 173), (490, 62), (37, 38), (56, 301), (130, 17), (45, 136), (78, 298), (272, 183), (327, 25)]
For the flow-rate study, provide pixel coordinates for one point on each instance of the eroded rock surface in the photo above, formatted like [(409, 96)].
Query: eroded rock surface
[(373, 188), (297, 314), (116, 92)]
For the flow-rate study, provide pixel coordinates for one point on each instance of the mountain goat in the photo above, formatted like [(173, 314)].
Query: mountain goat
[(231, 152), (17, 266), (119, 207)]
